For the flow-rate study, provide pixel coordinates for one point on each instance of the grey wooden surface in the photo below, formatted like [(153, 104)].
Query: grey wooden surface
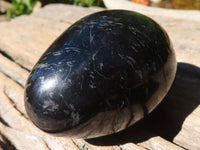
[(175, 124)]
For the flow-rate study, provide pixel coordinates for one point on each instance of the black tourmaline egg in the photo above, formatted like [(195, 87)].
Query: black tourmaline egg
[(104, 73)]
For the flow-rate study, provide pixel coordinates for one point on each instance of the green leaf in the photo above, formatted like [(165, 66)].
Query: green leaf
[(20, 8)]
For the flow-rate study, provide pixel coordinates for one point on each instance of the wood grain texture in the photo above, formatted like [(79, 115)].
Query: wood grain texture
[(175, 124)]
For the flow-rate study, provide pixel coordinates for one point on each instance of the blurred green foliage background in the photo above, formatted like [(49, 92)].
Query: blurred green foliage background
[(20, 7)]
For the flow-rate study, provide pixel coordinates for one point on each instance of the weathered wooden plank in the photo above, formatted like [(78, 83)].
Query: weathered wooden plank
[(37, 33), (82, 144), (131, 146), (21, 140), (15, 93), (65, 13), (20, 46), (13, 70), (188, 137), (18, 55), (176, 120), (159, 143)]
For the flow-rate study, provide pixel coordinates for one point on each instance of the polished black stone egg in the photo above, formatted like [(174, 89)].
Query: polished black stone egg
[(103, 74)]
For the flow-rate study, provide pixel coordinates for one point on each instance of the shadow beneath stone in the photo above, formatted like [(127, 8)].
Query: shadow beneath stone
[(167, 119)]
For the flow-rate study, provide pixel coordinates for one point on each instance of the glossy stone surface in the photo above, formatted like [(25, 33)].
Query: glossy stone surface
[(104, 73)]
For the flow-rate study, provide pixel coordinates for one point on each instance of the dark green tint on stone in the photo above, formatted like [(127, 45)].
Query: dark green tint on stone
[(106, 63)]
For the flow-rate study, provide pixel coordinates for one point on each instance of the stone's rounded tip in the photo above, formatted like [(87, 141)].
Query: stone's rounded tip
[(104, 73)]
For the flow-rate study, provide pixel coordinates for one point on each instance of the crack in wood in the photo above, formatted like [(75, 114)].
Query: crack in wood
[(6, 55), (179, 146), (4, 122), (12, 59), (12, 80), (14, 105), (46, 144), (5, 144), (78, 145)]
